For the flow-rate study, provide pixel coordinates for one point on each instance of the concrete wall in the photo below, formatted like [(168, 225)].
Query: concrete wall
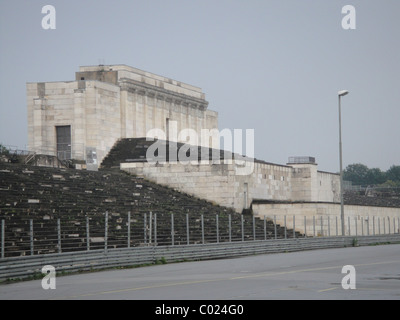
[(215, 183), (309, 184), (107, 103), (225, 184), (363, 219), (219, 183), (115, 73), (328, 187), (91, 108), (49, 105)]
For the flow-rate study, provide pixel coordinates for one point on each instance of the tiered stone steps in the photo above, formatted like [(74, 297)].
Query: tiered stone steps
[(135, 149), (44, 195)]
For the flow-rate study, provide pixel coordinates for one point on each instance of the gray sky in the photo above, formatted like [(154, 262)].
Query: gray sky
[(270, 65)]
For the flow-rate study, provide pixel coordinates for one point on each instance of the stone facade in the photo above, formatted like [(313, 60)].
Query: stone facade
[(106, 103), (220, 183), (83, 119), (323, 218)]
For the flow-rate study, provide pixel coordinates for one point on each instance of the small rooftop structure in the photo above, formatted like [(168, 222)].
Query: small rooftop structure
[(301, 160)]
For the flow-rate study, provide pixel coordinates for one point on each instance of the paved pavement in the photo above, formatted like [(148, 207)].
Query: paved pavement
[(300, 275)]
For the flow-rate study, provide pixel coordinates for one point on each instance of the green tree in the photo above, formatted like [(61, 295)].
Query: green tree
[(356, 173), (393, 174), (390, 184), (360, 174), (3, 149), (375, 176)]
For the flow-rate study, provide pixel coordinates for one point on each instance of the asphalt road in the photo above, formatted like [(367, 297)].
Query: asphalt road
[(301, 275)]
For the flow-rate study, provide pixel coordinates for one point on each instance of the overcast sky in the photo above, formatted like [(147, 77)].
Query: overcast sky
[(274, 66)]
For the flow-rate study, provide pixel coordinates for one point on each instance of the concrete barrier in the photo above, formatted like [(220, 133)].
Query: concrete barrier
[(30, 266)]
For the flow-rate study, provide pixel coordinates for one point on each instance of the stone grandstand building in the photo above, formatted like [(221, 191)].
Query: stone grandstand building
[(82, 119), (105, 114)]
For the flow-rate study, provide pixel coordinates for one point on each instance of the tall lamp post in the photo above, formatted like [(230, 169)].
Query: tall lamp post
[(341, 94)]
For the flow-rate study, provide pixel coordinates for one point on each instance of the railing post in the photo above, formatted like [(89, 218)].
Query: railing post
[(202, 229), (230, 227), (384, 226), (155, 229), (362, 226), (394, 225), (265, 227), (145, 227), (329, 227), (242, 227), (343, 231), (322, 230), (355, 221), (337, 231), (254, 228), (172, 230), (284, 218), (129, 230), (187, 229), (379, 225), (305, 227), (59, 235), (106, 233), (31, 235), (313, 219), (294, 227), (349, 226), (398, 225), (373, 225), (217, 222), (87, 234), (275, 231), (150, 227), (3, 230)]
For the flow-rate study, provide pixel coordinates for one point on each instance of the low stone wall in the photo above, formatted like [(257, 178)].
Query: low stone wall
[(28, 266), (323, 219), (218, 183), (221, 183)]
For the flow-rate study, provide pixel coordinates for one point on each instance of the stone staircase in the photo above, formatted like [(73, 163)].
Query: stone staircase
[(41, 196), (134, 149), (377, 200)]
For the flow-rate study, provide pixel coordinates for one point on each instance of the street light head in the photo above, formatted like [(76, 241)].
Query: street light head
[(342, 93)]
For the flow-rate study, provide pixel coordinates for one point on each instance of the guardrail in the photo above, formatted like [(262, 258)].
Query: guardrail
[(38, 235), (30, 266)]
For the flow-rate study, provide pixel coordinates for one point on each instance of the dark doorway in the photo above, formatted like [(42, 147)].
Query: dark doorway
[(63, 142)]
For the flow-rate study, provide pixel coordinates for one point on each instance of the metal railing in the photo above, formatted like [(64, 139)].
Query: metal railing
[(370, 189), (29, 266), (327, 225), (299, 160), (74, 151), (44, 235)]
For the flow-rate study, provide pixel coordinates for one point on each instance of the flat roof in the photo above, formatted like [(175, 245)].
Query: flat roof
[(123, 67)]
